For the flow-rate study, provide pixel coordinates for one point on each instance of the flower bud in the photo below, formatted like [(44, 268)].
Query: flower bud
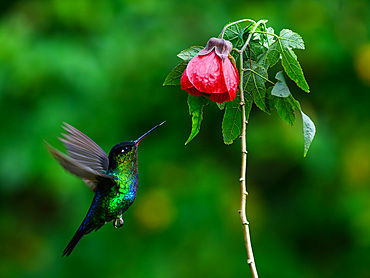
[(211, 73)]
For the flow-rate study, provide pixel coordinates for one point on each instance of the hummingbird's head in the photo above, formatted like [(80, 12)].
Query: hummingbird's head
[(126, 152), (123, 156)]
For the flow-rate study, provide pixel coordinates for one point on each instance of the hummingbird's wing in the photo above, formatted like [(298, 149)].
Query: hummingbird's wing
[(89, 175), (84, 150), (85, 158)]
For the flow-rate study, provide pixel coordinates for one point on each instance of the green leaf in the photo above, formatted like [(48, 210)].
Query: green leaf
[(231, 123), (196, 105), (285, 107), (189, 53), (271, 99), (256, 49), (273, 54), (248, 101), (290, 39), (174, 77), (280, 88), (262, 60), (269, 38), (262, 25), (243, 34), (221, 106), (254, 80), (282, 49), (293, 68), (232, 34), (309, 131)]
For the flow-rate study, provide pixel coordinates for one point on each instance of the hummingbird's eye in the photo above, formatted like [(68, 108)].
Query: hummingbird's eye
[(125, 149)]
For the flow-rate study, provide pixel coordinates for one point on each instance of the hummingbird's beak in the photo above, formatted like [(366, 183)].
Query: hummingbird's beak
[(137, 141)]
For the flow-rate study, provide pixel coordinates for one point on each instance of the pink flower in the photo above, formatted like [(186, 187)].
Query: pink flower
[(211, 73)]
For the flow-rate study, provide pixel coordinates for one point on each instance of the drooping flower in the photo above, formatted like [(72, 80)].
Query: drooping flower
[(211, 73)]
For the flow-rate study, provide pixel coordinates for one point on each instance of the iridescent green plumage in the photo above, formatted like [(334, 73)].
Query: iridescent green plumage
[(113, 178)]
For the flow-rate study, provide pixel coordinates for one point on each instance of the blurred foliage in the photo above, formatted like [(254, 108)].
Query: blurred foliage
[(99, 65)]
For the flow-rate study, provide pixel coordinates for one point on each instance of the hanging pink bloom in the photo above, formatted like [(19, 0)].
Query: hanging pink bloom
[(211, 73)]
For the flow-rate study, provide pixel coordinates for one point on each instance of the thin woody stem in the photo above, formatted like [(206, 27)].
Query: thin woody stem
[(243, 170), (250, 57), (243, 184)]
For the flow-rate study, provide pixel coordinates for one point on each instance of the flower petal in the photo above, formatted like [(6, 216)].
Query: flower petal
[(185, 83), (194, 92), (204, 72), (231, 77), (220, 98)]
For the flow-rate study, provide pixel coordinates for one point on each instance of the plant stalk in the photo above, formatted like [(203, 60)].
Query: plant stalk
[(243, 168), (243, 184), (244, 152)]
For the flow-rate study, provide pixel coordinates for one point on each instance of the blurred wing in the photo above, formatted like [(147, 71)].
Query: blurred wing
[(84, 150), (89, 175)]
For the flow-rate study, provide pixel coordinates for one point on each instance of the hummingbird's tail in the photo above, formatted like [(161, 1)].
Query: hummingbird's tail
[(72, 244)]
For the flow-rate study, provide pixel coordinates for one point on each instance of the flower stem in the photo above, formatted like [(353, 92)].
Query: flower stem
[(235, 22), (243, 168), (251, 34)]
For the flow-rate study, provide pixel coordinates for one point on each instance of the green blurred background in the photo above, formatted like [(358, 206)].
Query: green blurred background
[(99, 65)]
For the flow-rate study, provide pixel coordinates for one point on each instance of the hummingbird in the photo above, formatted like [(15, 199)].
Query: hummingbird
[(113, 178)]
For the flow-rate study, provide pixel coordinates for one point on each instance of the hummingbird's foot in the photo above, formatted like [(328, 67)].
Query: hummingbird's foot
[(118, 222)]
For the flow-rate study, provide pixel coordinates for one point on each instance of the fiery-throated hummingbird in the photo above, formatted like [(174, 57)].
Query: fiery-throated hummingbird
[(113, 178)]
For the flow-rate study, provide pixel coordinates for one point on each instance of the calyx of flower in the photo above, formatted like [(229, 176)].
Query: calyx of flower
[(222, 48)]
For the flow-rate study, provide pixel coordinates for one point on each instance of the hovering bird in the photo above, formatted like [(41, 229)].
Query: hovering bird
[(113, 178)]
